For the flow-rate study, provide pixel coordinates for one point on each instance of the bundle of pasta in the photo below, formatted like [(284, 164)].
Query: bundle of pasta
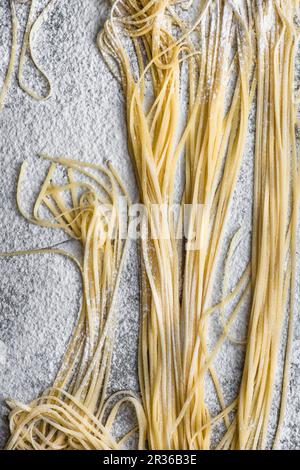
[(275, 212), (173, 352), (219, 109), (152, 138), (75, 413)]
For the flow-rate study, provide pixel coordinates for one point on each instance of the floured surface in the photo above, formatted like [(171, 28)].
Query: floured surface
[(40, 295)]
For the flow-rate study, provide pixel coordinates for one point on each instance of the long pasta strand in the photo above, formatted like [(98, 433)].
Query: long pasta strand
[(31, 28)]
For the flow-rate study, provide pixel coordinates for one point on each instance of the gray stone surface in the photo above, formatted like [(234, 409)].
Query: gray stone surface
[(40, 295)]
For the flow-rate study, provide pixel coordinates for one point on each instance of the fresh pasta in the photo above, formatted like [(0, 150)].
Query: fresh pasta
[(233, 51), (192, 73), (31, 28), (74, 412)]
